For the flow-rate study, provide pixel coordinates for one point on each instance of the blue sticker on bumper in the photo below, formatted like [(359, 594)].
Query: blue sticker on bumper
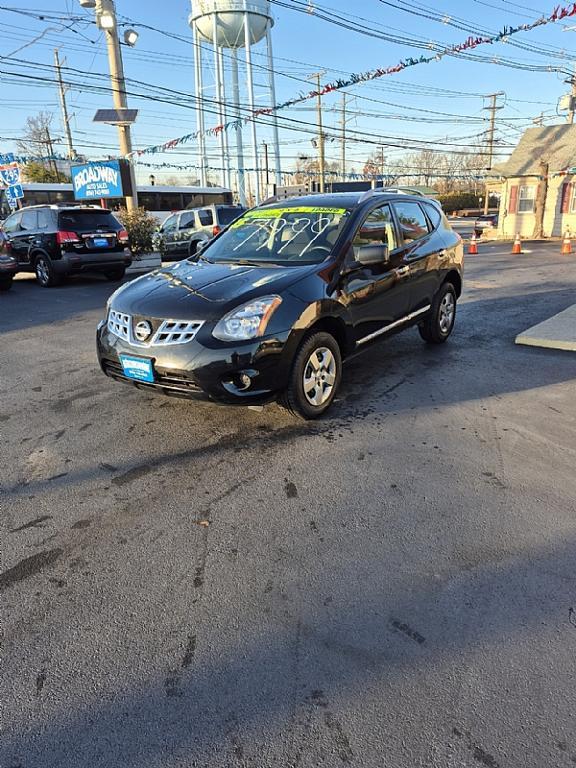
[(137, 368)]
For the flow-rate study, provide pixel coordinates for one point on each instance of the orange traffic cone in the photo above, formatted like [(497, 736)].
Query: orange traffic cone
[(517, 247), (473, 247), (566, 243)]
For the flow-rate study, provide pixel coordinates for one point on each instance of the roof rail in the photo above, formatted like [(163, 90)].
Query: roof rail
[(390, 190)]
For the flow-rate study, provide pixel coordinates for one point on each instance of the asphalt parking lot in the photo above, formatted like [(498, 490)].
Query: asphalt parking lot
[(191, 585)]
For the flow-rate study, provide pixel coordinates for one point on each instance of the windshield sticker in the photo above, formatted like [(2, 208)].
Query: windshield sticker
[(277, 213)]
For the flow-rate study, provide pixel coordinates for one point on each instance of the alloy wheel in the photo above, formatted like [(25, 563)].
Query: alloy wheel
[(319, 376), (42, 271), (446, 313)]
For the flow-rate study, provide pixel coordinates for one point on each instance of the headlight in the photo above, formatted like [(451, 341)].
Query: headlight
[(248, 321)]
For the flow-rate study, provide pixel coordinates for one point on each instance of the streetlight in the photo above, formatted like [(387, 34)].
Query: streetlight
[(106, 21), (131, 37)]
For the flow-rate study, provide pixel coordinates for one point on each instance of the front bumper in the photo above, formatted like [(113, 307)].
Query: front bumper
[(72, 263), (196, 371)]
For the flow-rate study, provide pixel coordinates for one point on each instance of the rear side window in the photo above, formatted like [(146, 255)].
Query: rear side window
[(206, 218), (85, 221), (434, 215), (29, 220), (227, 215), (44, 219), (12, 223), (413, 223)]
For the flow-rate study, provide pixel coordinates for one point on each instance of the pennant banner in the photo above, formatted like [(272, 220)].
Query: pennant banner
[(558, 14), (315, 174)]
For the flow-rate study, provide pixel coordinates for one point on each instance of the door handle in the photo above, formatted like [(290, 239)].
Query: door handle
[(401, 271)]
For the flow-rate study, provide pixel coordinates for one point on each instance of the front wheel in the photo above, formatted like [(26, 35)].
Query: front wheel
[(440, 322), (114, 275), (315, 377), (45, 273), (5, 283)]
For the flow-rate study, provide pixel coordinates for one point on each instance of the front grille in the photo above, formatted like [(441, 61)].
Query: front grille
[(119, 324), (176, 332), (169, 332)]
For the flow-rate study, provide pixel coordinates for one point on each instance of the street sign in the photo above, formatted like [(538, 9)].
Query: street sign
[(94, 181), (10, 174), (14, 193), (9, 158)]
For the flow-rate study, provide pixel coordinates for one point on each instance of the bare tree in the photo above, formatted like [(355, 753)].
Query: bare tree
[(36, 136)]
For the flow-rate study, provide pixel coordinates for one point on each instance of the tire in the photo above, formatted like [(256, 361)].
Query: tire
[(439, 324), (323, 377), (114, 275), (45, 274), (5, 283)]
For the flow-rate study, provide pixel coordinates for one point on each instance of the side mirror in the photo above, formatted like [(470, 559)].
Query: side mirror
[(370, 255)]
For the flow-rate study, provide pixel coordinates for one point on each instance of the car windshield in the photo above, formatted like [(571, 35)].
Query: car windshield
[(303, 235)]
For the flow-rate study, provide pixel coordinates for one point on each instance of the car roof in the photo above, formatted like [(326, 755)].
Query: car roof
[(348, 199)]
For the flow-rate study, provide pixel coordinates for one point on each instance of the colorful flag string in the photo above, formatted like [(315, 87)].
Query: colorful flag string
[(558, 14)]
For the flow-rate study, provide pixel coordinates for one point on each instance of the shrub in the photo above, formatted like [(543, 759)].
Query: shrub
[(140, 226)]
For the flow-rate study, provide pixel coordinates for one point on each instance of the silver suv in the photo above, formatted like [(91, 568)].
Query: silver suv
[(182, 232)]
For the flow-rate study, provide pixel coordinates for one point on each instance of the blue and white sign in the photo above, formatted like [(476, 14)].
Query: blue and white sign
[(14, 193), (10, 175), (97, 180), (137, 368), (9, 158)]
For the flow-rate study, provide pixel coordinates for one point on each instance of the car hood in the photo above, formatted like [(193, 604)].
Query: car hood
[(202, 290)]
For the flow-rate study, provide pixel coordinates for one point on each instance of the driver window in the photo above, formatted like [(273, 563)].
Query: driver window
[(169, 224), (377, 229)]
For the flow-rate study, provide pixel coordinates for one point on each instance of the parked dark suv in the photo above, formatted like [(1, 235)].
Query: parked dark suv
[(182, 232), (8, 264), (274, 304), (56, 241)]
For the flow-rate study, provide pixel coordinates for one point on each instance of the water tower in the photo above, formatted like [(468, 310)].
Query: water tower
[(228, 25)]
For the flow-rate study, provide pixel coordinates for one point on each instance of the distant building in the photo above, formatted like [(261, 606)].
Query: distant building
[(524, 184)]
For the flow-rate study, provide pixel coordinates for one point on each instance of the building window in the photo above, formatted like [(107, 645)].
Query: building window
[(572, 208), (526, 199)]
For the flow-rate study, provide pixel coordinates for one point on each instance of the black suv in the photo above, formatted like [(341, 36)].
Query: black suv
[(182, 232), (8, 264), (273, 305), (56, 241)]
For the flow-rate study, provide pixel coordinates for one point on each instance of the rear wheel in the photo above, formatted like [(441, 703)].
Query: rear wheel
[(440, 322), (315, 377), (45, 273), (5, 283), (114, 275)]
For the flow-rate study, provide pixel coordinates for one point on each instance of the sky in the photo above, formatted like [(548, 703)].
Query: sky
[(440, 105)]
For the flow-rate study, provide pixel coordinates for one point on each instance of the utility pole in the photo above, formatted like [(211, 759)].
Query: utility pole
[(50, 148), (107, 21), (491, 131), (572, 82), (382, 164), (266, 167), (321, 160), (65, 118), (343, 161)]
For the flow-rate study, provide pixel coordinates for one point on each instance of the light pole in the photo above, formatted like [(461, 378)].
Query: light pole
[(108, 23)]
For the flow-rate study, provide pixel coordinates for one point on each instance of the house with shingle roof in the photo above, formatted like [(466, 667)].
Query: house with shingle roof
[(539, 184)]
